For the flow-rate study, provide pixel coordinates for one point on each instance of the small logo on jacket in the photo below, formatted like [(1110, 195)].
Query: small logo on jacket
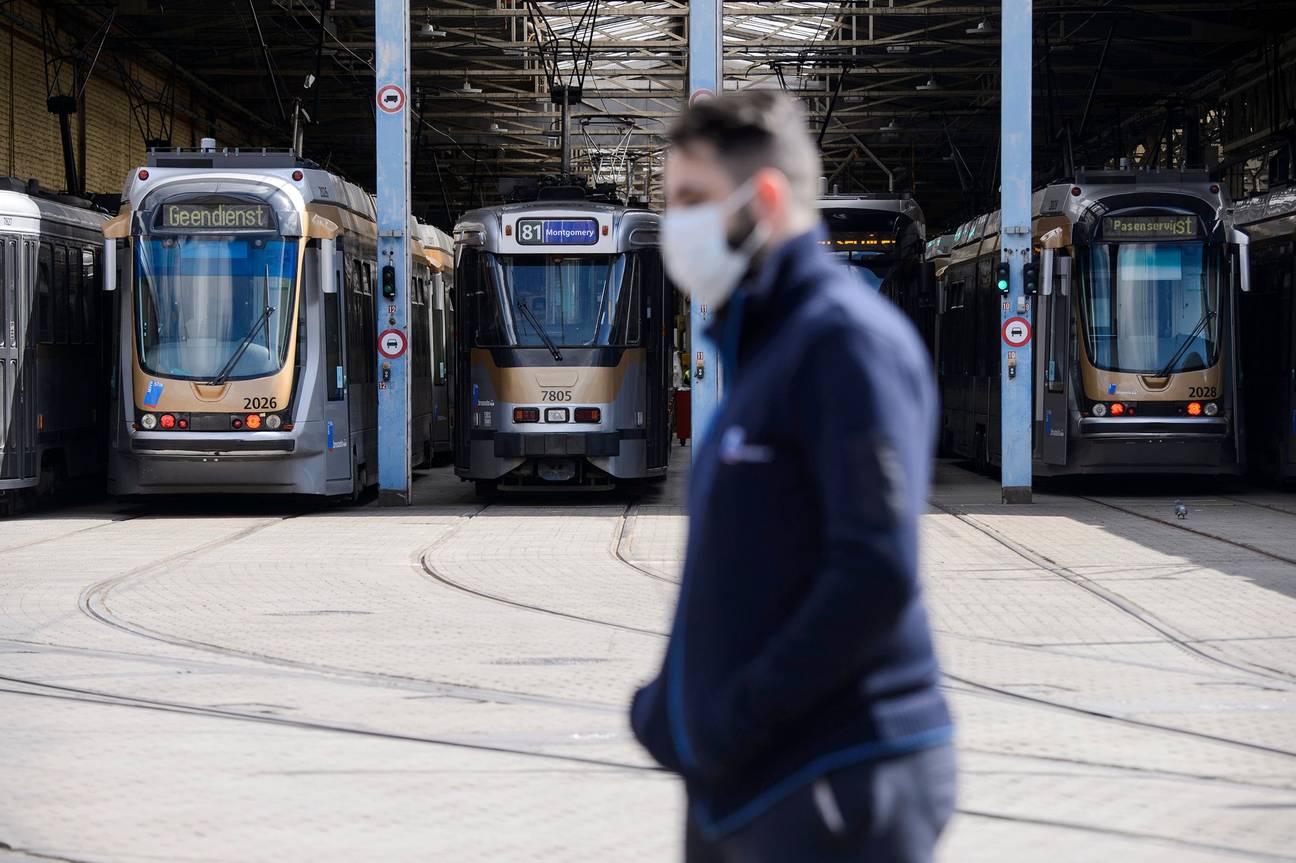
[(734, 448)]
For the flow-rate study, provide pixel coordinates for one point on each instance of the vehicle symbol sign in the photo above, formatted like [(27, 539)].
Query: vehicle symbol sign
[(1016, 332), (391, 98), (391, 344)]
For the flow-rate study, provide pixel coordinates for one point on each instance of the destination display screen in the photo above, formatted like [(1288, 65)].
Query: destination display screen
[(216, 216), (858, 242), (557, 232), (1150, 227)]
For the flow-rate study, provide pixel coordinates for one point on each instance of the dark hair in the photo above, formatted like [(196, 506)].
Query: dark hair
[(750, 130)]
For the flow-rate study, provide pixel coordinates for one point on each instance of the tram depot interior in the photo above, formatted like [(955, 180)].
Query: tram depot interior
[(217, 640)]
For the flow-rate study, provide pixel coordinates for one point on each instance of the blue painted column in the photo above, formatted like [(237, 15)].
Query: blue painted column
[(1015, 168), (391, 95), (706, 34)]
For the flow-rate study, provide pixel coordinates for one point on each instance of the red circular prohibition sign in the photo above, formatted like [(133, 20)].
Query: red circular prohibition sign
[(1016, 332), (391, 344), (391, 99)]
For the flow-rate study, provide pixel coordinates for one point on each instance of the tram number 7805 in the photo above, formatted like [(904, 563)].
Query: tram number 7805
[(555, 396)]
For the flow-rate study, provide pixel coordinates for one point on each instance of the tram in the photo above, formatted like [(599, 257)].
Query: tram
[(1268, 333), (52, 358), (431, 324), (563, 350), (246, 301), (882, 238), (1135, 343)]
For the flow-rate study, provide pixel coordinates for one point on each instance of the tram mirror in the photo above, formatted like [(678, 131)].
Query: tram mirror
[(1243, 243), (328, 284), (1046, 272), (110, 264), (1064, 275)]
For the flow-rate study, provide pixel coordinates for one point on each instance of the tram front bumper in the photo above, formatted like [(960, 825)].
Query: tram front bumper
[(180, 463)]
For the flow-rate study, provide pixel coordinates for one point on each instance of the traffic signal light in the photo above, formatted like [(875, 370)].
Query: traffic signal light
[(1003, 282), (389, 282), (1030, 278)]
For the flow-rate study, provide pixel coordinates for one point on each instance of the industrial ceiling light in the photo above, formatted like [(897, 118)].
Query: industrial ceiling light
[(983, 28), (429, 31), (931, 84), (468, 89), (893, 126), (897, 49)]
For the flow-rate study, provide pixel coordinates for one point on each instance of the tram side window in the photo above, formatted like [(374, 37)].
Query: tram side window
[(333, 367), (6, 250), (44, 300), (61, 287), (89, 296)]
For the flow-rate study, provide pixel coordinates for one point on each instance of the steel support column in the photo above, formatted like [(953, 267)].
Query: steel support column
[(704, 71), (391, 61), (1015, 167)]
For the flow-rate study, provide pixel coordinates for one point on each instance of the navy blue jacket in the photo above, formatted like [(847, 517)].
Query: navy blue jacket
[(800, 642)]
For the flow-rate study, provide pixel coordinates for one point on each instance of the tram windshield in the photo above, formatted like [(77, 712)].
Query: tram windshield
[(213, 308), (578, 300), (1152, 308)]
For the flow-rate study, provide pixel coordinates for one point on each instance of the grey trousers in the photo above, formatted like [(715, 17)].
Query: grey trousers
[(889, 811)]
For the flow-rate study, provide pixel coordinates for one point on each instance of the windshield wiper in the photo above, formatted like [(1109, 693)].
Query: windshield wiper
[(1201, 325), (535, 324), (243, 346)]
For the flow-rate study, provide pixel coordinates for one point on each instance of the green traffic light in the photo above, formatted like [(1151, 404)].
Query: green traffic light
[(1003, 285)]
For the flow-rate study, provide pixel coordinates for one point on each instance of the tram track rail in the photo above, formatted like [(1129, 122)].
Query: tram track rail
[(93, 603), (1126, 606), (978, 687)]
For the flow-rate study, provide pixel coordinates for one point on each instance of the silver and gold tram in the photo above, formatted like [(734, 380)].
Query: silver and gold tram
[(563, 352), (247, 295), (52, 341), (1134, 349)]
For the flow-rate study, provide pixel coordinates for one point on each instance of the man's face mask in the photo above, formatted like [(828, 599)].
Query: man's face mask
[(696, 249)]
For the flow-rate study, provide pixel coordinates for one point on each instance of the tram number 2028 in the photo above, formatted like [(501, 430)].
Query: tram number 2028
[(1202, 392), (258, 403), (555, 396)]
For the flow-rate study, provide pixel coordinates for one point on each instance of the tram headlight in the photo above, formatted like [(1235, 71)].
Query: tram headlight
[(273, 422), (148, 421), (1211, 409), (1100, 410)]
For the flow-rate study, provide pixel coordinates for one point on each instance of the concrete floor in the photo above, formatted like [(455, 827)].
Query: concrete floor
[(260, 681)]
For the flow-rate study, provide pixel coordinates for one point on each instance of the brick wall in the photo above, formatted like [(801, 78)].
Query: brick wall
[(105, 133)]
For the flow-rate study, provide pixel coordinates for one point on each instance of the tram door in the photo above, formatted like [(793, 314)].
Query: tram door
[(1053, 356), (468, 295), (17, 361), (336, 413), (657, 327)]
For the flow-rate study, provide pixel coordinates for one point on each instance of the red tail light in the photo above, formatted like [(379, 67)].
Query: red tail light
[(1117, 409), (588, 415), (167, 421), (235, 422), (184, 424), (1194, 409), (526, 415), (252, 421)]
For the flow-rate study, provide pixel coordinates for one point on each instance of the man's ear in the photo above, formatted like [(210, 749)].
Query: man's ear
[(770, 194)]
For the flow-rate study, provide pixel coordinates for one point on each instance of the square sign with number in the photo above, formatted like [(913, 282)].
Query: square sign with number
[(557, 232)]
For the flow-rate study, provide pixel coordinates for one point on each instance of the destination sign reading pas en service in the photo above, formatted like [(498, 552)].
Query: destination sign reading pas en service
[(557, 232), (208, 216)]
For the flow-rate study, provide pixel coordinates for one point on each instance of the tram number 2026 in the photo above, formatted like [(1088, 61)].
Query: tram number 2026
[(555, 396), (1202, 392), (257, 403)]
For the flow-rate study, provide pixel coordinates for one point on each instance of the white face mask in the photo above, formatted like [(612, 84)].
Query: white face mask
[(696, 251)]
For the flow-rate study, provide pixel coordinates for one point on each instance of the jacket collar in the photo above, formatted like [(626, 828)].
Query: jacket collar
[(785, 271)]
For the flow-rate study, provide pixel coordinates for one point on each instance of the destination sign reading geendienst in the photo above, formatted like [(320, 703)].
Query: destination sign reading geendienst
[(196, 216)]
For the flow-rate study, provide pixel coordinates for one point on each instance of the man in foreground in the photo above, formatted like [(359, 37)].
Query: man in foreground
[(798, 697)]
